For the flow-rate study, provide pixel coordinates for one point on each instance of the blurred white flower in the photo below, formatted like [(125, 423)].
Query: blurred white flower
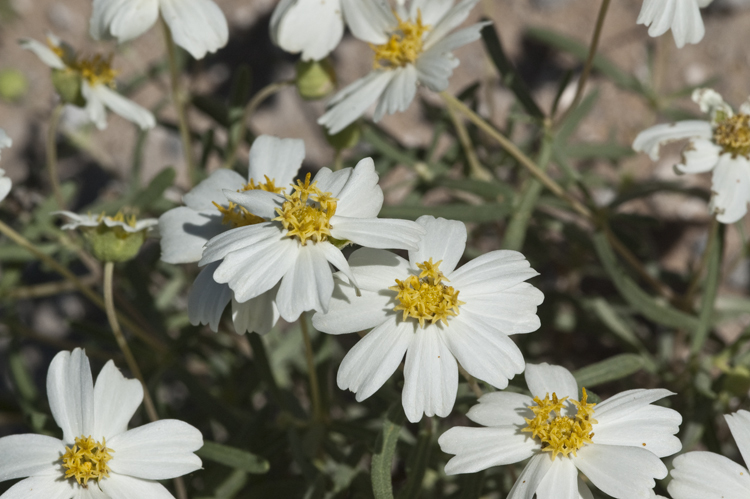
[(5, 182), (705, 475), (721, 145), (411, 46), (295, 248), (435, 315), (98, 457), (90, 80), (198, 26), (617, 443), (683, 17), (5, 141), (185, 230), (293, 30), (125, 223)]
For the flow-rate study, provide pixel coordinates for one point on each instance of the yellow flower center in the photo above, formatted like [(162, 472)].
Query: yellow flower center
[(86, 460), (129, 220), (561, 434), (733, 135), (307, 211), (426, 297), (403, 47), (239, 216), (97, 69)]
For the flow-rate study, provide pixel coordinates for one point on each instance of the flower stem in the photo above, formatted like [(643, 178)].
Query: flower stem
[(471, 380), (178, 98), (54, 122), (77, 283), (312, 373), (477, 171), (122, 343), (250, 109)]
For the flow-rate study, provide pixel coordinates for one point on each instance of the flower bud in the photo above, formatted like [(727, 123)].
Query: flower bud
[(68, 86), (346, 138), (315, 79)]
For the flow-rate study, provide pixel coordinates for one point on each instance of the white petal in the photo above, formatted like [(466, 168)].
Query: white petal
[(531, 476), (369, 21), (651, 139), (315, 40), (43, 52), (260, 203), (275, 158), (585, 493), (701, 475), (435, 68), (622, 404), (125, 107), (240, 238), (512, 311), (29, 455), (431, 375), (543, 379), (730, 185), (70, 390), (478, 449), (92, 492), (126, 487), (560, 483), (349, 312), (399, 93), (739, 425), (621, 472), (258, 315), (116, 399), (5, 186), (687, 24), (40, 487), (458, 39), (352, 102), (198, 26), (208, 298), (375, 358), (432, 11), (485, 353), (649, 427), (157, 451), (203, 195), (699, 156), (501, 408), (493, 272), (184, 232), (122, 19), (95, 110), (335, 257), (308, 285), (452, 20), (378, 233), (710, 101), (360, 196), (444, 240)]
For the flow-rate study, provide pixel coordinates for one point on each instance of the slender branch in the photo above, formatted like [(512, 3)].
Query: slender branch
[(477, 170), (79, 285), (590, 59), (51, 145), (178, 98), (48, 289), (687, 299), (250, 109), (312, 373)]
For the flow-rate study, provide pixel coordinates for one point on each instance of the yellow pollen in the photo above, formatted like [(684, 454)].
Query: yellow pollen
[(86, 460), (561, 434), (733, 135), (426, 297), (97, 69), (239, 216), (130, 220), (307, 211), (404, 45)]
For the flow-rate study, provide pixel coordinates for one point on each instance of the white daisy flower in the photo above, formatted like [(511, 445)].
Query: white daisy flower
[(721, 145), (412, 46), (290, 254), (292, 30), (98, 457), (617, 443), (198, 26), (185, 230), (96, 79), (435, 315), (705, 475), (683, 17)]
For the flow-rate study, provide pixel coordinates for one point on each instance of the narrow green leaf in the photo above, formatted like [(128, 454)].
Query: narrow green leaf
[(635, 191), (234, 458), (155, 189), (642, 302), (611, 369), (609, 316), (488, 190), (385, 449), (490, 212), (507, 70), (416, 465), (713, 275)]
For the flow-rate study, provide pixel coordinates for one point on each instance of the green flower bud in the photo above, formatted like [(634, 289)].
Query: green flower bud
[(68, 86), (13, 84), (113, 244), (315, 79), (346, 138)]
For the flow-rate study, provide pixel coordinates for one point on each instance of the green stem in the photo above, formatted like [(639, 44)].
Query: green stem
[(178, 98), (471, 380), (250, 109), (317, 409), (715, 250), (51, 145), (477, 171)]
